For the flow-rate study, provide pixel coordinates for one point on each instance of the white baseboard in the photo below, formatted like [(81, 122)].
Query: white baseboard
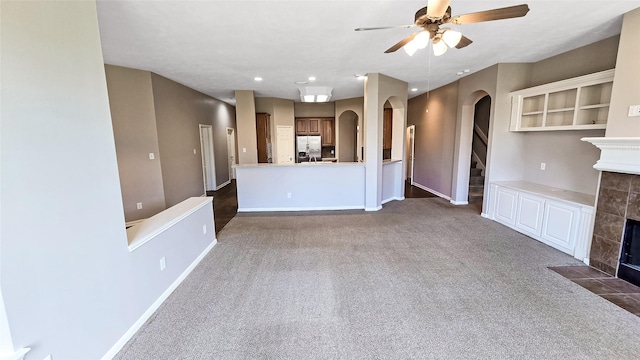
[(223, 185), (399, 198), (373, 208), (156, 304), (459, 202), (586, 261), (486, 216), (302, 208), (431, 191)]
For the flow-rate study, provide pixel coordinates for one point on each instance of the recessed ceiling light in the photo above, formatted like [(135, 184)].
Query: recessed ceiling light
[(302, 82), (414, 89), (360, 77), (257, 78), (466, 70), (459, 73), (312, 78)]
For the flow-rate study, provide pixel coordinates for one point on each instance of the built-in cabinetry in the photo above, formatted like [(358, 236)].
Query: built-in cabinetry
[(579, 103), (263, 137), (308, 126), (324, 127), (559, 218)]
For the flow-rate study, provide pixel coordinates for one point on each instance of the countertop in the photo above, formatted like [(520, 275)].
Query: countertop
[(560, 194)]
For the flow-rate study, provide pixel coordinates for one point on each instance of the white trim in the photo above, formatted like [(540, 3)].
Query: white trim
[(136, 222), (148, 229), (399, 198), (223, 185), (459, 202), (156, 304), (373, 208), (439, 194), (617, 154), (486, 216), (306, 208)]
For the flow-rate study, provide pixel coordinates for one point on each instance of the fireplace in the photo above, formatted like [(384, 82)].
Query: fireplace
[(629, 268), (618, 209)]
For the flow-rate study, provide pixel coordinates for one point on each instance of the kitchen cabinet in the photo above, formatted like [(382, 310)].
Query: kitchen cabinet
[(387, 127), (263, 136), (579, 103), (308, 126), (328, 132), (559, 218)]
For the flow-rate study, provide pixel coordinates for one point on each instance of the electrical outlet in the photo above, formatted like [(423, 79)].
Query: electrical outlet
[(152, 156), (634, 110), (139, 206), (288, 195), (244, 150), (204, 229), (163, 263), (543, 166)]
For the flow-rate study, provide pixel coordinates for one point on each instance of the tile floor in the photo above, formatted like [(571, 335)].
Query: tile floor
[(618, 291)]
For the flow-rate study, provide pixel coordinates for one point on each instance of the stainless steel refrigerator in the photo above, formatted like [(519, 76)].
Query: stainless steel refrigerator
[(309, 148)]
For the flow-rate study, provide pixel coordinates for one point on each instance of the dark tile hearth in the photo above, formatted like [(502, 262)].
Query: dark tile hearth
[(225, 205), (617, 291)]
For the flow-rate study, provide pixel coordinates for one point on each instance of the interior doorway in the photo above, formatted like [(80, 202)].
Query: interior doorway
[(348, 137), (411, 149), (231, 151), (208, 159)]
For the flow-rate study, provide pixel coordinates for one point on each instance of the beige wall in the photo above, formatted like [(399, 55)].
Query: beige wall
[(626, 82), (595, 57), (246, 124), (134, 127), (569, 161), (314, 109), (434, 137), (282, 113)]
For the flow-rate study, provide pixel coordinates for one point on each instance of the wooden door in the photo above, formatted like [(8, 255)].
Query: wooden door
[(387, 127), (263, 133)]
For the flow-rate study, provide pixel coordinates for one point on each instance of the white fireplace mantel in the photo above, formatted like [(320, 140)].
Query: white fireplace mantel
[(617, 154)]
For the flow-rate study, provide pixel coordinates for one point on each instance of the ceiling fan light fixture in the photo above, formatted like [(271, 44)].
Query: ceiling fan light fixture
[(451, 37), (439, 48), (410, 48), (422, 39)]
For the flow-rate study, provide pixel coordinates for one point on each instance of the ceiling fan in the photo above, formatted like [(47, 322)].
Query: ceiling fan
[(438, 12)]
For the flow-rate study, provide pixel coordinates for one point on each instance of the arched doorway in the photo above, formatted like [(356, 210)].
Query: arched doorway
[(348, 137), (463, 148)]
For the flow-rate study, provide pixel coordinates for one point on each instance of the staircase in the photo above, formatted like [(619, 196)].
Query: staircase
[(476, 184)]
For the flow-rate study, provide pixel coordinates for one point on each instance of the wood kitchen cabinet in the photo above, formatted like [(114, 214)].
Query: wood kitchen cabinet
[(387, 127), (308, 126), (263, 136), (328, 132)]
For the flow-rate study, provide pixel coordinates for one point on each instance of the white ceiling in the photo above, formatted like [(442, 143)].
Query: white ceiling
[(217, 47)]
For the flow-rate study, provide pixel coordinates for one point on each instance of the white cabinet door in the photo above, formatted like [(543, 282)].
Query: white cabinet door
[(560, 225), (529, 214), (506, 202)]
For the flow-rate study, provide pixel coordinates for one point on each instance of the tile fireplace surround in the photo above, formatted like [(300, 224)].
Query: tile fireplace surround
[(618, 198)]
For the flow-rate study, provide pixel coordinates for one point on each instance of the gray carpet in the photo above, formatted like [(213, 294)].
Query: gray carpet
[(420, 279)]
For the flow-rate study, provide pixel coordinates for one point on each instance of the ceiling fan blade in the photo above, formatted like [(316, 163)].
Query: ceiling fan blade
[(489, 15), (385, 27), (464, 41), (402, 43), (437, 8)]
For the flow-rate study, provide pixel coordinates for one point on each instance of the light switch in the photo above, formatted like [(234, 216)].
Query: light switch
[(543, 166), (634, 110), (244, 150), (194, 151), (152, 156)]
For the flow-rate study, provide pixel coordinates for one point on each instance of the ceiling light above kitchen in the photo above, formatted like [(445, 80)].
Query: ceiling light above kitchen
[(315, 93), (360, 77), (312, 78), (414, 89), (257, 78)]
